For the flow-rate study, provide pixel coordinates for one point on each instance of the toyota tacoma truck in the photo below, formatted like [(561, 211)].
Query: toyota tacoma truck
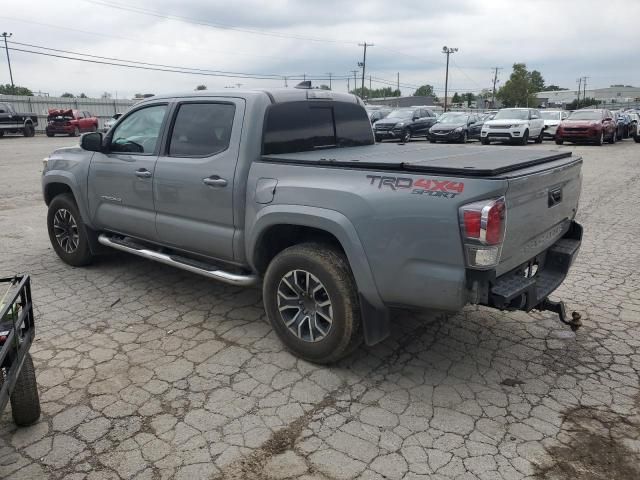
[(12, 121), (288, 189)]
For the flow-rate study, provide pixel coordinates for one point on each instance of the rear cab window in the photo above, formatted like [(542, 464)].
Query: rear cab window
[(309, 125)]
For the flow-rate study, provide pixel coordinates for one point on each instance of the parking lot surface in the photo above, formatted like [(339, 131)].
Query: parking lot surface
[(147, 372)]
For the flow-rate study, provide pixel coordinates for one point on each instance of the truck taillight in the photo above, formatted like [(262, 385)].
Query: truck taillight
[(483, 224)]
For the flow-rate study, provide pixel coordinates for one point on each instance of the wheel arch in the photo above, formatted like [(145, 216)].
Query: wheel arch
[(277, 227)]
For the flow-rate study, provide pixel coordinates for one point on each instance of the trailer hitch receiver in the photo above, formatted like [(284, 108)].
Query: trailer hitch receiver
[(558, 307)]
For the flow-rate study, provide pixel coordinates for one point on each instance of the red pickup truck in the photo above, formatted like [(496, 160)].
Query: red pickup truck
[(70, 122)]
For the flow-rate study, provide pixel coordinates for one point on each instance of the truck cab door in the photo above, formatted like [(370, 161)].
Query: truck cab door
[(195, 177), (120, 187), (5, 116)]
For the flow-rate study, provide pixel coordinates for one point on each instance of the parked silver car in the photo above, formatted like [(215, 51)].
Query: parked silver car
[(111, 122), (552, 119)]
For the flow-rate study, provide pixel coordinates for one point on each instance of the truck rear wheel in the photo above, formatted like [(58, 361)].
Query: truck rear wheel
[(311, 301), (25, 401), (67, 232), (28, 131)]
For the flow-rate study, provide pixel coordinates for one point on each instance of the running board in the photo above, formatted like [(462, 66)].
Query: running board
[(208, 271)]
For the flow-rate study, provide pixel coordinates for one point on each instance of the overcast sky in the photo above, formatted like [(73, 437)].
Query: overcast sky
[(562, 39)]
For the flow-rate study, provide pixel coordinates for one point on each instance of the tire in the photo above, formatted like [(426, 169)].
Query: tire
[(465, 137), (636, 138), (432, 141), (612, 138), (406, 136), (63, 219), (75, 133), (540, 137), (484, 141), (25, 401), (559, 141), (49, 134), (329, 268), (600, 139), (378, 139), (525, 138), (28, 131), (1, 133)]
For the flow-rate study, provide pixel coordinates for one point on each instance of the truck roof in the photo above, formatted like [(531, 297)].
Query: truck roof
[(458, 160), (277, 95)]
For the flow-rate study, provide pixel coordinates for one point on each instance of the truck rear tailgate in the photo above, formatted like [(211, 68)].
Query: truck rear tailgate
[(541, 202)]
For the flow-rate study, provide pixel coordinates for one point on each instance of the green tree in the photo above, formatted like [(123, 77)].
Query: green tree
[(584, 102), (201, 87), (425, 91), (468, 97), (67, 95), (554, 88), (536, 81), (456, 98), (82, 95), (324, 87), (376, 92), (519, 90), (15, 90)]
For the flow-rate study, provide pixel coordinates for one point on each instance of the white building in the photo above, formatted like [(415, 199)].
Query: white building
[(623, 95)]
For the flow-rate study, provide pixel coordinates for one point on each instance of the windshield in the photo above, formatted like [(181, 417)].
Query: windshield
[(550, 115), (401, 114), (586, 115), (512, 114), (453, 118)]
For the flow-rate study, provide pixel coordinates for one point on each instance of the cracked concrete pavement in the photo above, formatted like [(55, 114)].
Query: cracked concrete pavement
[(147, 372)]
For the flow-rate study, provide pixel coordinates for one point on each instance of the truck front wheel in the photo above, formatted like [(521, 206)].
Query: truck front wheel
[(67, 232), (311, 301)]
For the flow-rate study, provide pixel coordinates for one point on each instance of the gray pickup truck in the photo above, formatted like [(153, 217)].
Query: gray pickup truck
[(12, 121), (288, 188)]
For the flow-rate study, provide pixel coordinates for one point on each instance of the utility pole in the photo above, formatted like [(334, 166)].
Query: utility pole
[(369, 84), (584, 90), (348, 89), (285, 82), (355, 81), (364, 61), (447, 51), (579, 87), (398, 80), (495, 80), (330, 74), (8, 35), (304, 77)]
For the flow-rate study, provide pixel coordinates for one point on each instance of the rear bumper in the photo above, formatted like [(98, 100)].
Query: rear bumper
[(521, 290), (60, 129)]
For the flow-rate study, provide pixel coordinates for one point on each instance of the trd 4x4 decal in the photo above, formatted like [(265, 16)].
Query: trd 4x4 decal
[(421, 186)]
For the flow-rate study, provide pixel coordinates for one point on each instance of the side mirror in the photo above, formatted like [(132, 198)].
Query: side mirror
[(91, 142)]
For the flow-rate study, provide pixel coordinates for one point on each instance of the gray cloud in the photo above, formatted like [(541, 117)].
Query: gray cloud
[(563, 40)]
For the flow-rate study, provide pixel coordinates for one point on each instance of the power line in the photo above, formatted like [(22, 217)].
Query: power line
[(174, 67), (222, 26), (169, 70)]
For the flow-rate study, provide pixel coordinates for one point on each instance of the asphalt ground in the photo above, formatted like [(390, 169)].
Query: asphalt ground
[(147, 372)]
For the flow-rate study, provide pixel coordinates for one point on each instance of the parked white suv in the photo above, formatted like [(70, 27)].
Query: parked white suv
[(514, 125)]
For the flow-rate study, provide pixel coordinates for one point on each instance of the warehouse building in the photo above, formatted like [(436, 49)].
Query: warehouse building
[(622, 95)]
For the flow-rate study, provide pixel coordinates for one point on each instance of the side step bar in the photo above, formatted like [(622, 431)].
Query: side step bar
[(206, 270)]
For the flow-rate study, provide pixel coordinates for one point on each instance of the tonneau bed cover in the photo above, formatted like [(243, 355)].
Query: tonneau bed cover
[(465, 160)]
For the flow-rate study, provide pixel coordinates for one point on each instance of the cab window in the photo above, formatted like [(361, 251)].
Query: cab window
[(201, 129)]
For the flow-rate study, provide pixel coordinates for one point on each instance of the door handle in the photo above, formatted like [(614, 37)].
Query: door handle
[(214, 181), (143, 173)]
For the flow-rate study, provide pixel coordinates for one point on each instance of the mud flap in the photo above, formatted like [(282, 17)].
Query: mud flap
[(375, 322)]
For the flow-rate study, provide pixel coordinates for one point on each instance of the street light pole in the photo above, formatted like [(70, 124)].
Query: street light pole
[(447, 51), (8, 35), (330, 74)]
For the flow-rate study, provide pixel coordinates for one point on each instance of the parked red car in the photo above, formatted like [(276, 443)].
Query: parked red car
[(70, 122), (587, 125)]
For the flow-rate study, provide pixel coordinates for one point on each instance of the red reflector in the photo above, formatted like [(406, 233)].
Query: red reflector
[(472, 223), (494, 224)]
